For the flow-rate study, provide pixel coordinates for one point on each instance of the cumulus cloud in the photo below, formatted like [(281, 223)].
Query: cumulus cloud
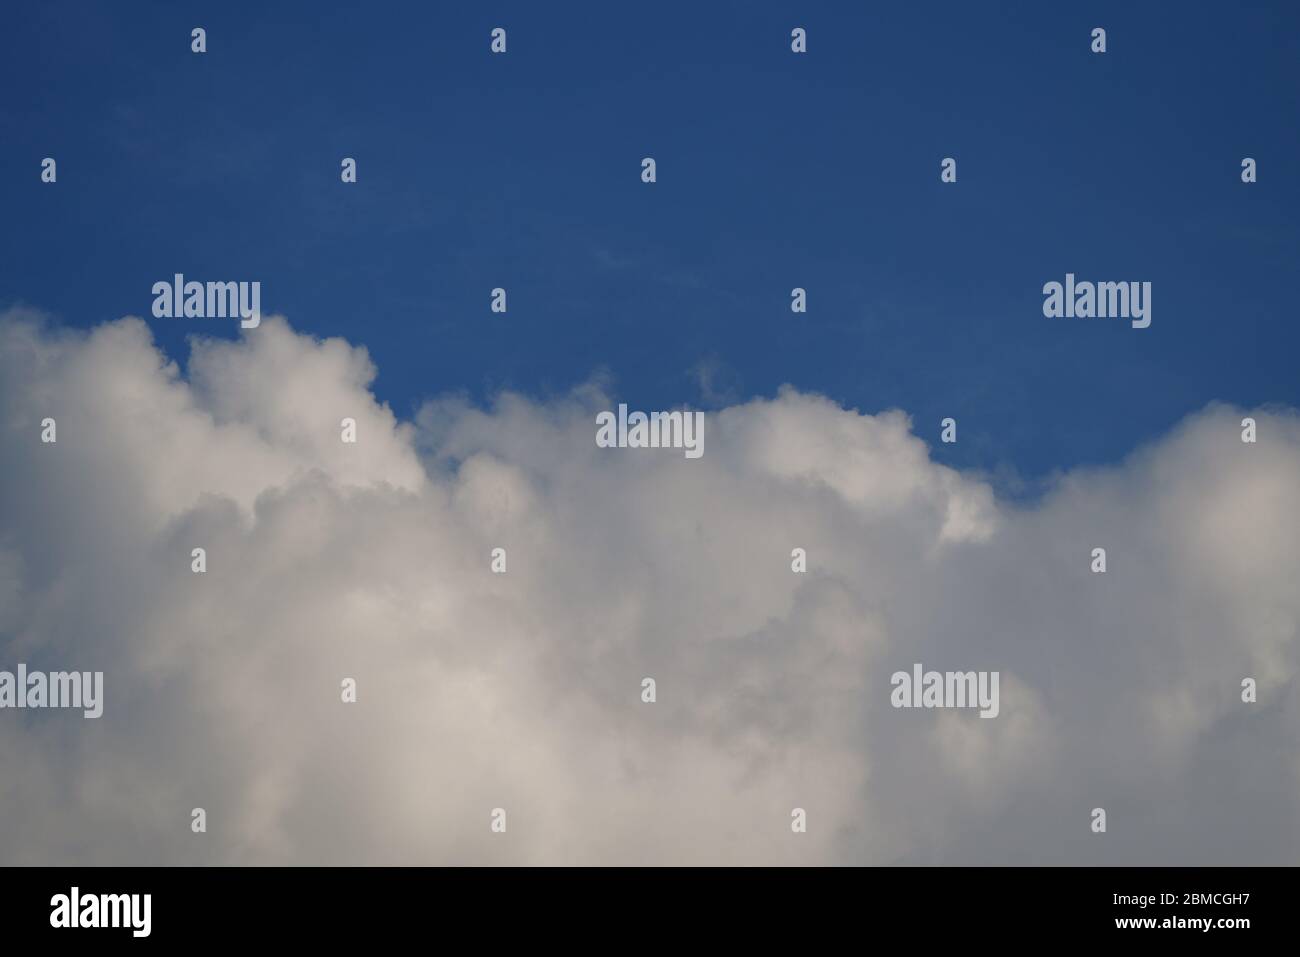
[(523, 690)]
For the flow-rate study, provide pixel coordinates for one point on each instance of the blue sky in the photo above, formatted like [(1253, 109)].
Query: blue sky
[(774, 171)]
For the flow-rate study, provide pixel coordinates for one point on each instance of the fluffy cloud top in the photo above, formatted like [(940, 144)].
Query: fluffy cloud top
[(522, 690)]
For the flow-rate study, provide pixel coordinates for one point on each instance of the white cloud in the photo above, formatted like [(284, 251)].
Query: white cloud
[(522, 690)]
